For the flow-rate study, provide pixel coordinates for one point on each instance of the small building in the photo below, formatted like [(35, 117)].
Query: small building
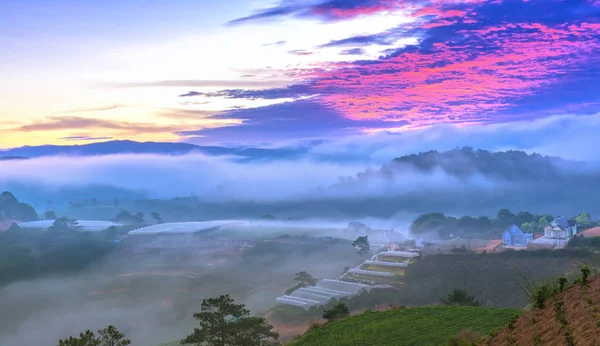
[(556, 234), (420, 242), (513, 236), (560, 228)]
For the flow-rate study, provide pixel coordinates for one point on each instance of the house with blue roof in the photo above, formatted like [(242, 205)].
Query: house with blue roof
[(513, 236)]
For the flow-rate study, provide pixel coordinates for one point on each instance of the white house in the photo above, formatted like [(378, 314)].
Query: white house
[(556, 234), (560, 228)]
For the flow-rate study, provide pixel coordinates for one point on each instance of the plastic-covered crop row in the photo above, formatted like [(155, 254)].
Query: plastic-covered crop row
[(311, 295), (187, 227), (294, 302), (402, 254), (326, 292), (339, 285), (372, 273), (386, 264), (321, 294)]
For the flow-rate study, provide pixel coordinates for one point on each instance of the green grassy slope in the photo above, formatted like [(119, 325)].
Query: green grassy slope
[(412, 326)]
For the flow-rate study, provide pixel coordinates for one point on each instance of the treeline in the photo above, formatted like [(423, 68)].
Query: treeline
[(26, 254), (484, 226), (12, 209)]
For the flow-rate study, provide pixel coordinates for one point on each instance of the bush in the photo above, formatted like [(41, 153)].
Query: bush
[(337, 312), (465, 337), (460, 297)]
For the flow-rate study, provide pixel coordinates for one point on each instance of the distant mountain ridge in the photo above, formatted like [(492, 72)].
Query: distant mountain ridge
[(467, 162), (161, 148)]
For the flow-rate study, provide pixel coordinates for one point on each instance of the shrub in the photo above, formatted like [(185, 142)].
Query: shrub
[(338, 311), (585, 275), (562, 281), (314, 326), (460, 297), (465, 337)]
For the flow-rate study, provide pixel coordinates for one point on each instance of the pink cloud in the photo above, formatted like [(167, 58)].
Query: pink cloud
[(459, 84)]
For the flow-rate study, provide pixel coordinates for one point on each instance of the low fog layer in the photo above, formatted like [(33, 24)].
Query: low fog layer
[(342, 175), (125, 290)]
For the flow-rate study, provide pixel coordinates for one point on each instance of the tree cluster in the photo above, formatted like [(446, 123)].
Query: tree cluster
[(221, 321), (109, 336), (483, 226), (224, 323), (362, 245), (128, 218), (304, 280), (460, 297), (337, 312), (11, 208)]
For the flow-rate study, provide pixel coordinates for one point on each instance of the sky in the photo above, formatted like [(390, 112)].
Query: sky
[(243, 72)]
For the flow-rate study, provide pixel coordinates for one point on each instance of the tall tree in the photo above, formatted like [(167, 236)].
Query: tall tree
[(305, 278), (50, 215), (528, 227), (65, 224), (543, 221), (224, 323), (506, 216), (583, 218), (111, 336), (157, 217), (460, 297), (428, 223), (362, 245), (337, 312), (85, 339), (111, 233)]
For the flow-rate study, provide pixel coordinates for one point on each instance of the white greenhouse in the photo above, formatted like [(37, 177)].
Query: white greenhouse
[(386, 264), (324, 292), (187, 227), (371, 273), (88, 225), (396, 254)]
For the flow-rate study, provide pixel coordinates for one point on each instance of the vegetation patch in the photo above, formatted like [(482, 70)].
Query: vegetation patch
[(413, 326)]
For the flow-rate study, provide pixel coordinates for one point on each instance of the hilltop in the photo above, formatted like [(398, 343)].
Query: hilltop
[(159, 148), (11, 208), (570, 318), (459, 181), (431, 325)]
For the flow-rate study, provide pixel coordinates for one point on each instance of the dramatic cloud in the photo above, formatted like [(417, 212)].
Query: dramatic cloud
[(300, 52), (99, 109), (363, 40), (353, 51), (563, 136), (302, 119), (71, 123), (323, 9), (292, 91), (85, 138), (476, 61), (245, 83), (278, 43)]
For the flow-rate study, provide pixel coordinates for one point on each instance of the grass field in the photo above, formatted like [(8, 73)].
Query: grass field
[(412, 326)]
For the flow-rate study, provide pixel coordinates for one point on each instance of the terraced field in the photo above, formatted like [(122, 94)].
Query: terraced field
[(412, 326)]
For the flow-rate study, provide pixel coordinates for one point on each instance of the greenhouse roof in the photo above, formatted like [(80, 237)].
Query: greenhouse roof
[(311, 295), (88, 225), (371, 273), (386, 264), (187, 227), (403, 254)]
